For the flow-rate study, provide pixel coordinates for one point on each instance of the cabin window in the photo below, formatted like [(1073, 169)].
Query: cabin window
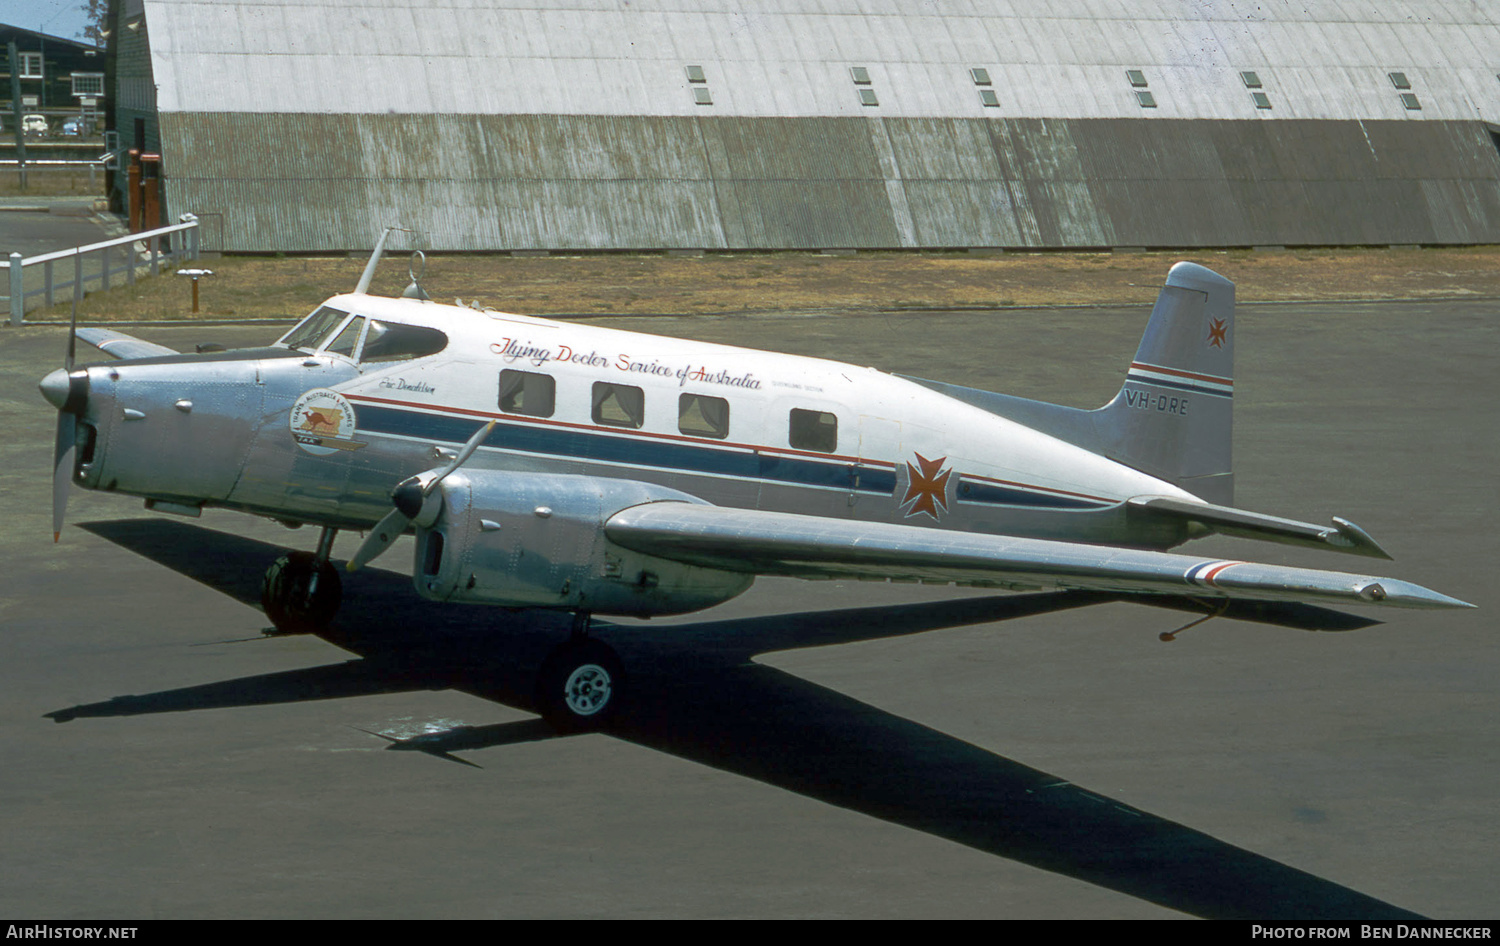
[(701, 416), (392, 341), (348, 340), (305, 336), (814, 430), (527, 392), (619, 405)]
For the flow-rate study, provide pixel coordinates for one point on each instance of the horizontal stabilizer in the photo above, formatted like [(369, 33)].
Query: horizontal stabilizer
[(1342, 536), (120, 345), (774, 543)]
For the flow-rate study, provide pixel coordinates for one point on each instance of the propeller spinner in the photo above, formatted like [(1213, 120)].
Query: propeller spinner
[(414, 503)]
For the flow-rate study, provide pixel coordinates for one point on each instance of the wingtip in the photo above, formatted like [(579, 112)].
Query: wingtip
[(1405, 594)]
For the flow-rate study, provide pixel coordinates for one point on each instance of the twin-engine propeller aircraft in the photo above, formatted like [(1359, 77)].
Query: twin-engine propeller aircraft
[(554, 465)]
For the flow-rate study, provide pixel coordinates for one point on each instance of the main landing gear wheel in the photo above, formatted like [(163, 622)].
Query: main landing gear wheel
[(580, 686), (300, 594)]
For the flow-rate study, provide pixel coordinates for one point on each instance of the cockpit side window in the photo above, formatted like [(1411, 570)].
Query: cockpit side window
[(392, 341), (307, 333), (348, 340)]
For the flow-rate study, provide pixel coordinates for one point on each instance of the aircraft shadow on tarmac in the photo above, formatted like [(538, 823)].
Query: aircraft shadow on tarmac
[(696, 693)]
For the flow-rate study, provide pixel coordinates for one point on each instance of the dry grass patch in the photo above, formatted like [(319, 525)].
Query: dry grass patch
[(637, 284)]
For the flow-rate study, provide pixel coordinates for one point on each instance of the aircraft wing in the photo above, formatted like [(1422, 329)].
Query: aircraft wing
[(773, 543), (120, 345)]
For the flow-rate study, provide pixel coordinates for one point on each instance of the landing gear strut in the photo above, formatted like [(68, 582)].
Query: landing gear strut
[(581, 682), (302, 591)]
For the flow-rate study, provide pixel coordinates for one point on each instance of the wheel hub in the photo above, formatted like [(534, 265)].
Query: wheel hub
[(587, 689)]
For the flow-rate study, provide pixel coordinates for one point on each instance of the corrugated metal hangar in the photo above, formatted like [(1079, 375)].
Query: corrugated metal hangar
[(304, 125)]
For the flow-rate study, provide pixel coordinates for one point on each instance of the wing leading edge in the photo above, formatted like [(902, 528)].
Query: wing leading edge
[(120, 345), (773, 543)]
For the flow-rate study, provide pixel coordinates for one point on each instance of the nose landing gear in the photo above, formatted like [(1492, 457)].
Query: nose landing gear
[(302, 590)]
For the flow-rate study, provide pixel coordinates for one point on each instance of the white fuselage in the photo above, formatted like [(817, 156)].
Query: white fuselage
[(733, 426)]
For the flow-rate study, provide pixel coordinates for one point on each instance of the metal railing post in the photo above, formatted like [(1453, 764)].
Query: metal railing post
[(47, 280), (77, 277), (17, 290), (104, 268), (153, 245), (191, 235)]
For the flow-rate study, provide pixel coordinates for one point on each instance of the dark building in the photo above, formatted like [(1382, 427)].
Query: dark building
[(59, 78)]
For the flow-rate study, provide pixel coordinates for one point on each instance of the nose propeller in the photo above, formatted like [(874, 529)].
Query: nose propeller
[(413, 502), (68, 391)]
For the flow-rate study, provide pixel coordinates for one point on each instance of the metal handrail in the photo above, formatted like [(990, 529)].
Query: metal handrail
[(17, 263)]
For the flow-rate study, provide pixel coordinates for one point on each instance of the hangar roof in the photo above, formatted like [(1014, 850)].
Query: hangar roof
[(796, 58)]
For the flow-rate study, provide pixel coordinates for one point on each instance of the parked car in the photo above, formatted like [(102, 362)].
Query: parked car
[(73, 127), (34, 124)]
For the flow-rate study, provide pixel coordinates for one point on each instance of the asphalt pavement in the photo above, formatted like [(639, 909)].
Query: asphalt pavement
[(823, 749)]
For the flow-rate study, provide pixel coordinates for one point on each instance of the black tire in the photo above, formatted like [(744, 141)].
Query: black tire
[(291, 600), (580, 686)]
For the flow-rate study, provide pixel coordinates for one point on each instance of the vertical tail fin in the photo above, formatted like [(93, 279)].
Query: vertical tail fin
[(1173, 418)]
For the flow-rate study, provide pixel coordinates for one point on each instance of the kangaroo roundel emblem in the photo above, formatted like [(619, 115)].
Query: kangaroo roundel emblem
[(322, 422)]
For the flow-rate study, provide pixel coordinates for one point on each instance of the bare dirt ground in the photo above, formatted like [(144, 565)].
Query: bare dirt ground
[(640, 284)]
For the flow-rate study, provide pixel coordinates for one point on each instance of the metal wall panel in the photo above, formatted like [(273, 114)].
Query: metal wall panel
[(790, 57), (588, 182)]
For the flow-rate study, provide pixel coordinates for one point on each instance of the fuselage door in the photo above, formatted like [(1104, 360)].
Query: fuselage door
[(872, 481)]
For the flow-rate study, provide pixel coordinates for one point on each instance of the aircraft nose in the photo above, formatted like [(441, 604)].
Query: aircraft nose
[(64, 390)]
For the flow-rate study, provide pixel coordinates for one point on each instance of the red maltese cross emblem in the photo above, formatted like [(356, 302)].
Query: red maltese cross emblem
[(1216, 332), (926, 487)]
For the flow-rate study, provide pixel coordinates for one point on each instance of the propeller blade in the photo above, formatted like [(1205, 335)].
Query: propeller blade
[(72, 336), (411, 502), (463, 456), (385, 533), (65, 448)]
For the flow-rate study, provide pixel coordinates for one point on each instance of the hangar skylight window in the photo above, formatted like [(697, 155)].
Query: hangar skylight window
[(861, 77), (1137, 80), (701, 95), (1399, 80), (1409, 100), (988, 98), (1251, 80), (980, 76), (1261, 99)]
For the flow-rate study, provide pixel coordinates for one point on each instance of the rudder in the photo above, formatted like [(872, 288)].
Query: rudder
[(1173, 417)]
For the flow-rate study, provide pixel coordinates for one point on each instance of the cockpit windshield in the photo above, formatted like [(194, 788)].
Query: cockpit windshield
[(311, 330), (382, 341)]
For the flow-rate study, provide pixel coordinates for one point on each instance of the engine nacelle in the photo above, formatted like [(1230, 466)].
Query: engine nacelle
[(538, 541)]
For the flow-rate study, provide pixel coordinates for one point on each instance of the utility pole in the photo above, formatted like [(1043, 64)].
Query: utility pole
[(15, 110)]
